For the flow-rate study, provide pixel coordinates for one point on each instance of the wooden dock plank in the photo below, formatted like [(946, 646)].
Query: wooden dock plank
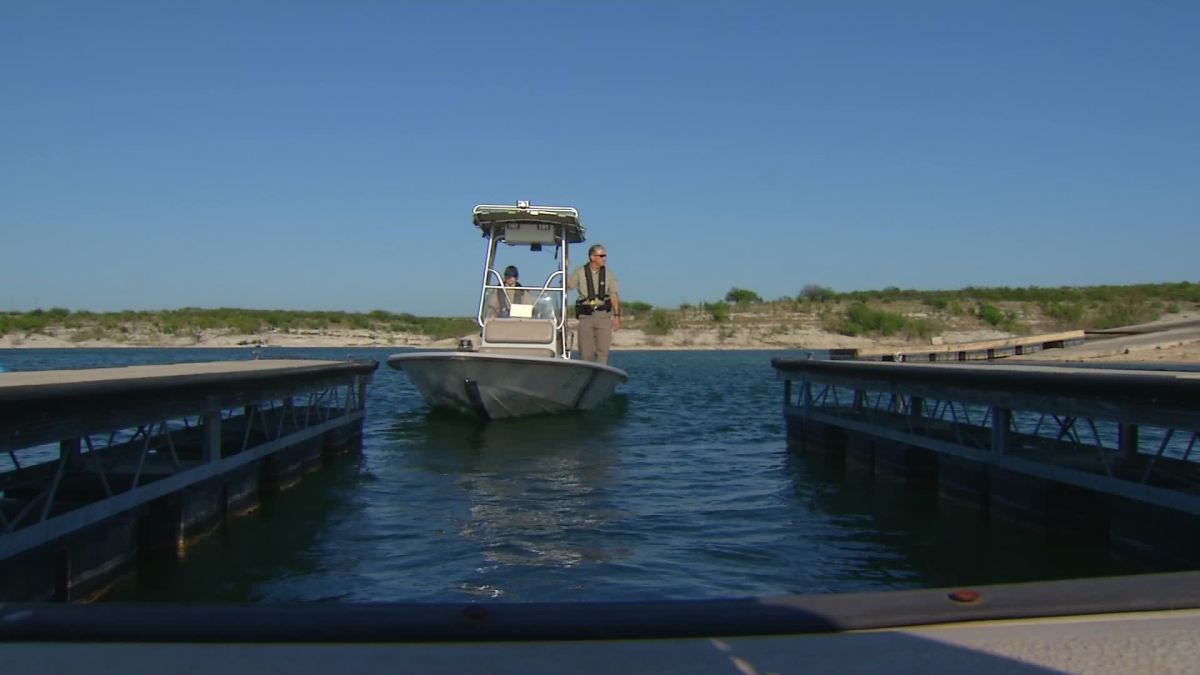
[(35, 378)]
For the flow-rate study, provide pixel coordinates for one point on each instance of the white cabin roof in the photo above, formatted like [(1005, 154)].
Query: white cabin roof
[(511, 222)]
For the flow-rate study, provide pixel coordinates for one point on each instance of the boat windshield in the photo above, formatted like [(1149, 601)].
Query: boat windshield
[(537, 291), (547, 305)]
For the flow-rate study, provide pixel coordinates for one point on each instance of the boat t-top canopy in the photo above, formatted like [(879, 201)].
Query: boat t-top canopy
[(525, 224)]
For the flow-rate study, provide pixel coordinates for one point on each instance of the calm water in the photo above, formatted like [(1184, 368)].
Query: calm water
[(681, 487)]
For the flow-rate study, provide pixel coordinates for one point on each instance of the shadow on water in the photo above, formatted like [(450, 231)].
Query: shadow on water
[(915, 534), (447, 432), (250, 558)]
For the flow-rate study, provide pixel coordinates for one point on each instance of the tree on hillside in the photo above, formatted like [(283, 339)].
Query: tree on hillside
[(742, 296), (816, 292)]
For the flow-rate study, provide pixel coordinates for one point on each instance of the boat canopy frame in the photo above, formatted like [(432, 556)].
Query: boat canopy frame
[(535, 226)]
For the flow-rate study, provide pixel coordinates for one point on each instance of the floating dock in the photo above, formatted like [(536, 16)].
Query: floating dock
[(1076, 453), (99, 465)]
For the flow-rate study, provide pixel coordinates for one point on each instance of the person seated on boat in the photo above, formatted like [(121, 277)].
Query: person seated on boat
[(503, 299)]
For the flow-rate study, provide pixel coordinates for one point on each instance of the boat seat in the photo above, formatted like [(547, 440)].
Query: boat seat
[(518, 331), (518, 351)]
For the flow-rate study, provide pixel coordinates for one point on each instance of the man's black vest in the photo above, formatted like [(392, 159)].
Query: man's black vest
[(594, 302)]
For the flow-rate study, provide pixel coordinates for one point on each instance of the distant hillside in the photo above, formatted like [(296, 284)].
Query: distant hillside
[(192, 325), (741, 317), (919, 315)]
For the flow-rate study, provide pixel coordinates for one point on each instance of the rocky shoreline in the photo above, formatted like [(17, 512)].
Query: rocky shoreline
[(1173, 346), (691, 338)]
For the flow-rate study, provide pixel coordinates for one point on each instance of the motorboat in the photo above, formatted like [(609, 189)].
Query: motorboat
[(522, 364)]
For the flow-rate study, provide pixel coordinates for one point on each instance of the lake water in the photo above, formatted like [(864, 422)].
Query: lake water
[(681, 487)]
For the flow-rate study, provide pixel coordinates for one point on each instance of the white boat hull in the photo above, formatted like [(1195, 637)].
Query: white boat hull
[(496, 386)]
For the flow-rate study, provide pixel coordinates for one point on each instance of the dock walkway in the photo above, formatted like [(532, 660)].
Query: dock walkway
[(97, 464)]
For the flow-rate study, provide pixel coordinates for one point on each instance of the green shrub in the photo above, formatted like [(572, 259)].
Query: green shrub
[(440, 328), (660, 322), (244, 325), (1118, 314), (922, 328), (718, 310), (990, 314), (742, 296), (1070, 313), (33, 322), (863, 320)]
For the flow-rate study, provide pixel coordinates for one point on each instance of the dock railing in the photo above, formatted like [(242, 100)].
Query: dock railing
[(1120, 432)]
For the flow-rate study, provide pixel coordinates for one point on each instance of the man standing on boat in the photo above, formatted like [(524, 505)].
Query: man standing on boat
[(598, 306)]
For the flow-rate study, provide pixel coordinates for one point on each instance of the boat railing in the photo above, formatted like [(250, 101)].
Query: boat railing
[(483, 297), (560, 314)]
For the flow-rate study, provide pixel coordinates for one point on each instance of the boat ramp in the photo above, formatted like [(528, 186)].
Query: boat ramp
[(101, 465), (969, 351)]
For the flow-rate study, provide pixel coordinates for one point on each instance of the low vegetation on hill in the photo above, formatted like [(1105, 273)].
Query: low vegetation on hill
[(194, 322), (888, 313), (913, 314)]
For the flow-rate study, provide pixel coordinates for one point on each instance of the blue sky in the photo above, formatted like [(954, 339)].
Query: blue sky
[(327, 155)]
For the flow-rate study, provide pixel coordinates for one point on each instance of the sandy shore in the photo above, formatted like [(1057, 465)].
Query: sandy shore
[(710, 339), (1172, 344)]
